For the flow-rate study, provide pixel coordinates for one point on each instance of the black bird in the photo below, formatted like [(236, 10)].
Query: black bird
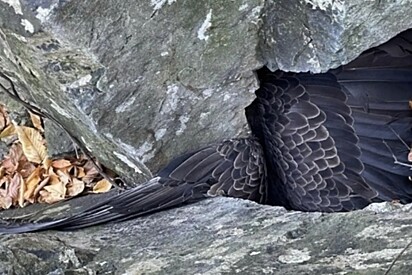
[(329, 142)]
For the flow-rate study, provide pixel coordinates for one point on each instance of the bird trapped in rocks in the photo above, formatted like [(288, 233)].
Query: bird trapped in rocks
[(335, 141)]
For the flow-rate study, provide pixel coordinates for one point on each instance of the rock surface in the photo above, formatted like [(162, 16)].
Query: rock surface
[(139, 98), (222, 236), (316, 35), (142, 81)]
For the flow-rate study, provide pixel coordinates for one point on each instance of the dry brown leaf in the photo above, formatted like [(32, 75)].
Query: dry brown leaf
[(102, 186), (75, 187), (40, 186), (26, 168), (80, 172), (36, 120), (410, 104), (53, 193), (410, 156), (32, 143), (11, 161), (31, 184), (64, 177), (79, 161), (49, 197), (14, 187), (4, 117), (2, 121), (91, 172), (2, 172), (47, 163), (61, 163), (59, 189), (8, 131), (5, 202), (21, 191), (77, 172), (9, 166), (54, 179), (89, 165), (16, 152), (3, 180)]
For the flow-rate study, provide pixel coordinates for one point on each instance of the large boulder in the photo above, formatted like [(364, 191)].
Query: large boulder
[(317, 35), (223, 236), (139, 82)]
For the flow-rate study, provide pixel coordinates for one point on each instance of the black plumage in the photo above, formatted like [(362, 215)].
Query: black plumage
[(319, 142)]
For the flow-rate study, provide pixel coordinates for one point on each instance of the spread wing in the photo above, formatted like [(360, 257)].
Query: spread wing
[(234, 168), (379, 87), (339, 140), (310, 145)]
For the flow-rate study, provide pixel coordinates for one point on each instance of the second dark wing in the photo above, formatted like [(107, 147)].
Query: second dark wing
[(234, 168), (339, 140), (311, 148)]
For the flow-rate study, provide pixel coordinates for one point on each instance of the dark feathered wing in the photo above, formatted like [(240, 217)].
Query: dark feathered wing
[(310, 145), (379, 87), (330, 139), (321, 142), (234, 168)]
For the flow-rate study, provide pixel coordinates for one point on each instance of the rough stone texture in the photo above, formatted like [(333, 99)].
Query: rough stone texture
[(222, 236), (59, 143), (23, 65), (141, 81), (15, 17), (175, 72), (137, 99), (316, 35)]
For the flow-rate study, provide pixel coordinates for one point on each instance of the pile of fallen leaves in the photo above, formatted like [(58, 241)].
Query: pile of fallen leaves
[(28, 176)]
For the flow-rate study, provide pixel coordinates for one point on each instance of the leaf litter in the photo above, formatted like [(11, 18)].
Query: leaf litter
[(28, 176)]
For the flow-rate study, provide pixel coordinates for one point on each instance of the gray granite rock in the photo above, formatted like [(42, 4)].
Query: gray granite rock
[(18, 18), (166, 62), (222, 236), (316, 35), (137, 99), (139, 82)]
